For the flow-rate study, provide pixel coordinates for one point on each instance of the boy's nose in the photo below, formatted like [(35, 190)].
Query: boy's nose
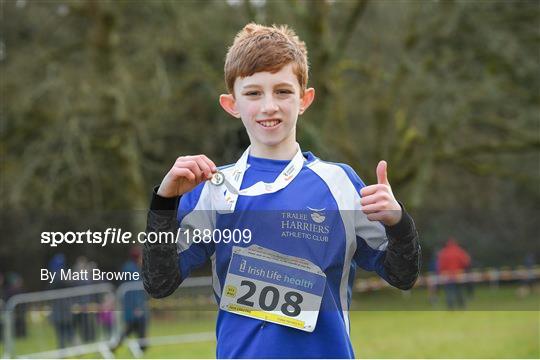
[(269, 105)]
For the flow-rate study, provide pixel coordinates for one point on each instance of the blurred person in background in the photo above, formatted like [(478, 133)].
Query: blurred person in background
[(84, 319), (527, 283), (106, 314), (452, 261), (61, 315), (135, 303)]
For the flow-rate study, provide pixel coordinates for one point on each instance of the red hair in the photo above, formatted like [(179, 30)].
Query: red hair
[(258, 48)]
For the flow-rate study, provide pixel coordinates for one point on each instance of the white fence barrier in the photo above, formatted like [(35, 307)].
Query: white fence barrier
[(47, 299), (51, 299), (489, 276)]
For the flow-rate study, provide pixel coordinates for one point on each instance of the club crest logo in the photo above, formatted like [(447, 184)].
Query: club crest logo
[(317, 215)]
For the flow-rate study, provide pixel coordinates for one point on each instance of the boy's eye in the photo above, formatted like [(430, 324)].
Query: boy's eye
[(284, 91), (252, 93)]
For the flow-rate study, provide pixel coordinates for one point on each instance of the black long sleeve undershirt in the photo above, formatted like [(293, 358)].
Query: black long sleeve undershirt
[(403, 253), (160, 270)]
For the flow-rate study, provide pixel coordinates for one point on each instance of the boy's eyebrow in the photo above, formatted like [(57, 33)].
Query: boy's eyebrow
[(277, 85), (250, 85), (284, 84)]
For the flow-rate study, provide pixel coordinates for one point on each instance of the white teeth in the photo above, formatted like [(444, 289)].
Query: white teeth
[(269, 123)]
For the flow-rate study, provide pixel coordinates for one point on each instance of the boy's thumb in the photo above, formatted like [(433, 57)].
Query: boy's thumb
[(382, 175)]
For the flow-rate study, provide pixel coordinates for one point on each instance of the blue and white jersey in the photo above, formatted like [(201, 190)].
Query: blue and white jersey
[(316, 217)]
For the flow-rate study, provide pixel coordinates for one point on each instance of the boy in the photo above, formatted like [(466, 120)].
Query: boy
[(285, 292)]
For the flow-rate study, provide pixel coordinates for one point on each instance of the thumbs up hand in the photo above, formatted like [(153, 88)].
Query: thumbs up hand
[(378, 201)]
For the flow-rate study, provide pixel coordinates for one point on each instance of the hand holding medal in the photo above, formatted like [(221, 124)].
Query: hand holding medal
[(186, 173)]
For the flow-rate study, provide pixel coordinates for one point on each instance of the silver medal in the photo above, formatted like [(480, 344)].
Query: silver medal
[(218, 178)]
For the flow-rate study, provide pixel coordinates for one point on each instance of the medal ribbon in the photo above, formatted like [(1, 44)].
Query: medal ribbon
[(284, 178)]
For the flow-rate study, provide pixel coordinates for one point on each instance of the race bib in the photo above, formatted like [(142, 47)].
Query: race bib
[(267, 285)]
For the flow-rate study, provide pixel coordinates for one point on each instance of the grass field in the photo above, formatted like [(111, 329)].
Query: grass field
[(387, 324)]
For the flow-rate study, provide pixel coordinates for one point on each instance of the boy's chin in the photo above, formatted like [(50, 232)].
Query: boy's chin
[(274, 143)]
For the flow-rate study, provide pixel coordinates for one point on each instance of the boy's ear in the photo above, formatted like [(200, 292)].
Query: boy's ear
[(307, 99), (228, 103)]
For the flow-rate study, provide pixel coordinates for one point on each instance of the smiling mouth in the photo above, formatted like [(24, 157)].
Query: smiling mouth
[(269, 123)]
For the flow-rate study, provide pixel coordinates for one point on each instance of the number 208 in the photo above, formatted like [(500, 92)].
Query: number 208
[(290, 307)]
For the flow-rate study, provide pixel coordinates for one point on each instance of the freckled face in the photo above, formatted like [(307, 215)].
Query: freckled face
[(269, 104)]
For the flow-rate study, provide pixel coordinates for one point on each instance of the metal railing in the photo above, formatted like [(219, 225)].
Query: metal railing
[(46, 299), (27, 299), (491, 276)]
